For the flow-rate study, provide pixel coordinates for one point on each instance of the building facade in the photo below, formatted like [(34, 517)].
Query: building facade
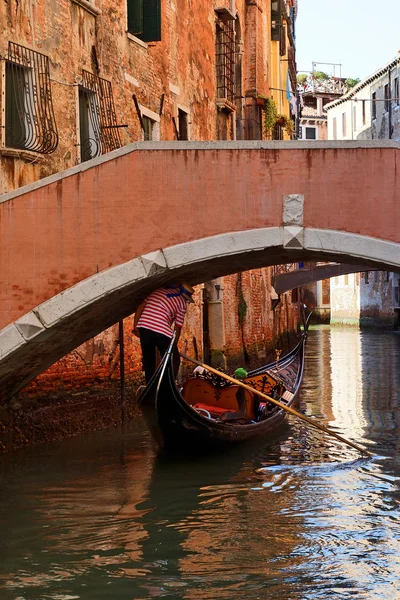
[(81, 78), (370, 110), (314, 95)]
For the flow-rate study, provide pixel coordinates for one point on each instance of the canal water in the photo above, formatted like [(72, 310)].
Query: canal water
[(300, 516)]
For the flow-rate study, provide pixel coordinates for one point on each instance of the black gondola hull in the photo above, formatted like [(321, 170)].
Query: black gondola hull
[(175, 423)]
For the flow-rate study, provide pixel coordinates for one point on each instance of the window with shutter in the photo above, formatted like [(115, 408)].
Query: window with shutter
[(144, 19)]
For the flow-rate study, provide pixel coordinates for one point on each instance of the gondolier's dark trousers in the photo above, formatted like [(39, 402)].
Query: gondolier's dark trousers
[(151, 341)]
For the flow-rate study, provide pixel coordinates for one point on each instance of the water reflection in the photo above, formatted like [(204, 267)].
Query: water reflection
[(301, 516)]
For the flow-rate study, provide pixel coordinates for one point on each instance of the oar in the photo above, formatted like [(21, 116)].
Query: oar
[(283, 406)]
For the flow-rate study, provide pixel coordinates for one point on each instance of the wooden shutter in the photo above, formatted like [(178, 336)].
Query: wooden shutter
[(135, 17), (151, 21)]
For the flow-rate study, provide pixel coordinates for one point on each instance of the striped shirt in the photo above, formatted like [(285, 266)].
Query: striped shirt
[(160, 312)]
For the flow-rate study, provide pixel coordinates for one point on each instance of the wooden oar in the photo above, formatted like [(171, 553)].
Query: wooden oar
[(283, 406)]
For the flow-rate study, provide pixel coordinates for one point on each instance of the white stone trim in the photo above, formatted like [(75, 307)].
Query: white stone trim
[(88, 6), (57, 309), (174, 89), (135, 39), (26, 346), (149, 113), (359, 246), (131, 80)]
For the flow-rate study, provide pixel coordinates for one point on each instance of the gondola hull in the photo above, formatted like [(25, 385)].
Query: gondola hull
[(175, 422)]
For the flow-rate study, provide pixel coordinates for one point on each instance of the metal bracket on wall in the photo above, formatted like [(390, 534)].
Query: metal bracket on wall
[(139, 113)]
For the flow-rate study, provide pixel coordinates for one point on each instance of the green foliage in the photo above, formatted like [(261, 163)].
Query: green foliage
[(301, 77), (242, 307), (350, 82), (270, 115), (286, 123), (321, 76)]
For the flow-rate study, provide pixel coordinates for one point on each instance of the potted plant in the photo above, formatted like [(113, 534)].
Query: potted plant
[(286, 123)]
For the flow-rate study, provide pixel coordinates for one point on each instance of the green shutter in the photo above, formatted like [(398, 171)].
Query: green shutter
[(151, 21), (135, 17)]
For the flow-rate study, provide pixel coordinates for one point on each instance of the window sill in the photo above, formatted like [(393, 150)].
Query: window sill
[(91, 8), (26, 155), (225, 104), (135, 39)]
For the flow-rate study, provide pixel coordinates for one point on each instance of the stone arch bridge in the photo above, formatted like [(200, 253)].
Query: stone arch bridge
[(80, 249)]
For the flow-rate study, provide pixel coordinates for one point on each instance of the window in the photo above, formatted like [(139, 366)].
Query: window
[(144, 19), (363, 112), (225, 58), (148, 128), (89, 129), (366, 277), (396, 294), (98, 129), (311, 133), (276, 20), (334, 123), (354, 118), (386, 97), (344, 125), (374, 105), (183, 124), (396, 91), (311, 102), (150, 122), (282, 41), (29, 118)]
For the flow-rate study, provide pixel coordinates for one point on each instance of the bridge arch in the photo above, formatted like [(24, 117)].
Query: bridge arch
[(36, 340)]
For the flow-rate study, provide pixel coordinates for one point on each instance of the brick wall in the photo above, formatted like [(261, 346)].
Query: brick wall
[(181, 70)]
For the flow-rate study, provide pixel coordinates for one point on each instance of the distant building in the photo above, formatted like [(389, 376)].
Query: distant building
[(370, 110), (314, 95)]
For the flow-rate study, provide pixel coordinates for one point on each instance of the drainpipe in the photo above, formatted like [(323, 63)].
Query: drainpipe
[(233, 11), (390, 104)]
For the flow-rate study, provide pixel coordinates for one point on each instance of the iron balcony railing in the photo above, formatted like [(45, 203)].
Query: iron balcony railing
[(30, 122), (99, 128)]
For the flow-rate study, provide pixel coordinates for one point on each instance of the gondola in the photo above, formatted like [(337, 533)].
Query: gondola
[(208, 411)]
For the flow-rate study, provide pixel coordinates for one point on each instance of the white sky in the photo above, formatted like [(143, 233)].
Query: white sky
[(362, 35)]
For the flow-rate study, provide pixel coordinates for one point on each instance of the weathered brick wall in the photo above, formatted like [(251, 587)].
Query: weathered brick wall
[(182, 67)]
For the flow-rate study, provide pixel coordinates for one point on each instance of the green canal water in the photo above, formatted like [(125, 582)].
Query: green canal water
[(299, 516)]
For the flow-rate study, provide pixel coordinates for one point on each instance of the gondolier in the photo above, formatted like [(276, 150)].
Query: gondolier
[(155, 321)]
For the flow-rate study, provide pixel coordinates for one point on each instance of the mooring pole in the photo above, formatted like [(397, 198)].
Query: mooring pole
[(122, 368)]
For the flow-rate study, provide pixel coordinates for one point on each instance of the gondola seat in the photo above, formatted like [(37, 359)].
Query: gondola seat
[(201, 393)]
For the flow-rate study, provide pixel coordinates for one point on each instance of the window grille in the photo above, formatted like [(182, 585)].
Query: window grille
[(225, 59), (30, 122), (98, 123)]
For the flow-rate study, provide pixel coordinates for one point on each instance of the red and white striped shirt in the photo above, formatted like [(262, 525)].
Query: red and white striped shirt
[(160, 312)]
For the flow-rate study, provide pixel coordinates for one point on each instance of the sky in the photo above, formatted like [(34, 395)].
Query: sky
[(362, 35)]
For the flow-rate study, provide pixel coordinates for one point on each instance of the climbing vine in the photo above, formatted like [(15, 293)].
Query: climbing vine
[(242, 311)]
